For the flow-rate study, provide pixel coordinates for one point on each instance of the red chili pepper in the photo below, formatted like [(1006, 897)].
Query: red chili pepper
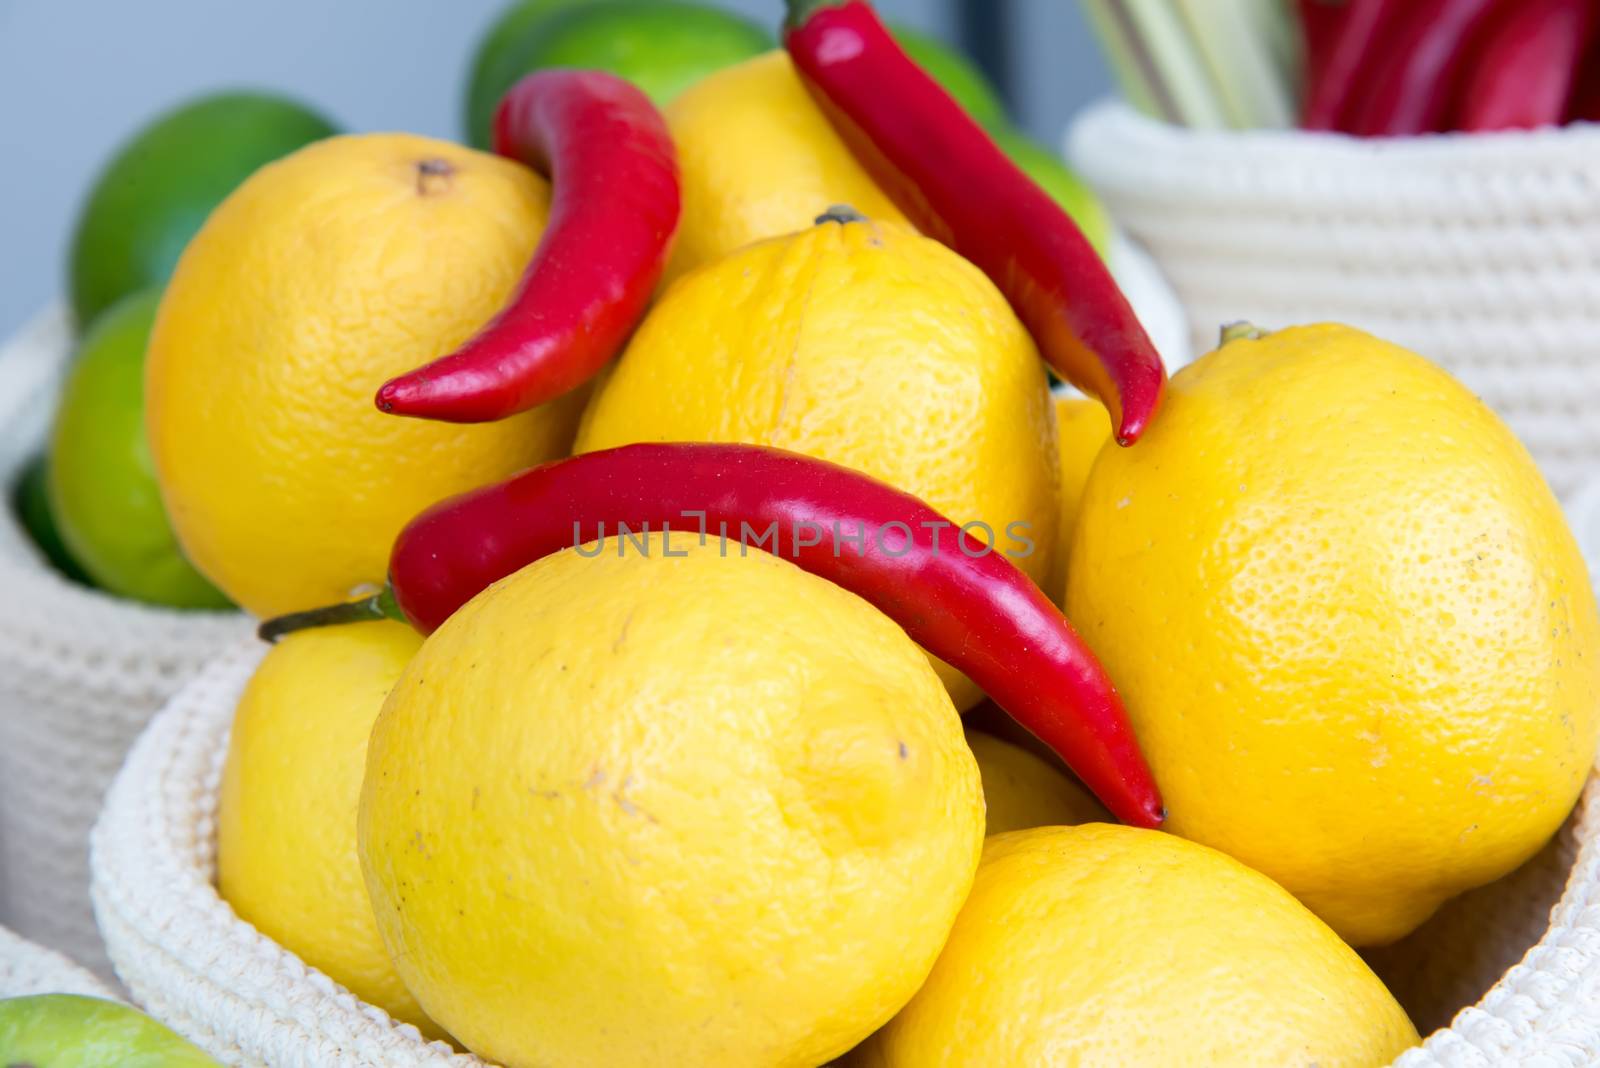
[(1523, 76), (1411, 80), (1338, 34), (945, 173), (1585, 103), (613, 212), (960, 600)]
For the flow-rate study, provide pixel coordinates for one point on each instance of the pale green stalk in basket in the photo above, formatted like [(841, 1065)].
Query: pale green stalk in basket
[(1160, 32), (1277, 24), (1237, 54), (1209, 64), (1129, 65)]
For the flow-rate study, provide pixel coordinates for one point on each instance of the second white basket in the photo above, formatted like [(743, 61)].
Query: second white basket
[(1481, 252)]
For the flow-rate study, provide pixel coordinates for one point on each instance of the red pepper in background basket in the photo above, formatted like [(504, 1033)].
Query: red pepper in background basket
[(960, 600), (1338, 35), (1523, 76), (1410, 79), (945, 172), (1585, 103), (613, 212)]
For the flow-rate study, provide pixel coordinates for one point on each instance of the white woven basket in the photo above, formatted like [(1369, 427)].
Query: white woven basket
[(195, 965), (1481, 252), (29, 969), (80, 675)]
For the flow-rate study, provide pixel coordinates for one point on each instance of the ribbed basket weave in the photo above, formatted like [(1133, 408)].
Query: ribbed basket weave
[(80, 675), (1481, 252), (29, 969)]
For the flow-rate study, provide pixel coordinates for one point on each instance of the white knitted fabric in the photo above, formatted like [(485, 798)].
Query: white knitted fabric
[(29, 969), (1481, 252), (179, 948), (80, 674), (1534, 972)]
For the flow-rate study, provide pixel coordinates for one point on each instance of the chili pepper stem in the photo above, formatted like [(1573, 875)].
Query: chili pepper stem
[(380, 605)]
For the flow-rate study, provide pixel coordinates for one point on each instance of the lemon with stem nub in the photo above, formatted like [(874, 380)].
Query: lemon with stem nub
[(860, 342), (1330, 578)]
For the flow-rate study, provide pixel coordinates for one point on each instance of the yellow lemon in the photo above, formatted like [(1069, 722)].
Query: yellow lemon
[(652, 810), (865, 344), (758, 159), (1106, 945), (1084, 428), (1354, 633), (1021, 790), (324, 274), (286, 811)]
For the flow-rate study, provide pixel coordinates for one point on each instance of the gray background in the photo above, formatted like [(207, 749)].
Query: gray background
[(77, 76)]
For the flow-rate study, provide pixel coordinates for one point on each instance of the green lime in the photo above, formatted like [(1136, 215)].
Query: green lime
[(498, 62), (662, 46), (72, 1031), (102, 480), (31, 500), (959, 76), (154, 194), (1065, 187)]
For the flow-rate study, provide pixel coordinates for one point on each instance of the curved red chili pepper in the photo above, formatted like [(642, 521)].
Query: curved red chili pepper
[(613, 212), (1413, 77), (947, 175), (1523, 77), (959, 600), (1338, 34)]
